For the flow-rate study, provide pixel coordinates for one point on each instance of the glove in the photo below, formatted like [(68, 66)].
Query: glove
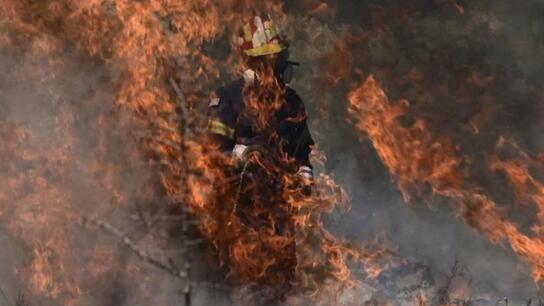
[(306, 174), (239, 152)]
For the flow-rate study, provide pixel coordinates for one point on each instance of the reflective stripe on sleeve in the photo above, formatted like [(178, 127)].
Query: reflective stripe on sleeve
[(218, 127)]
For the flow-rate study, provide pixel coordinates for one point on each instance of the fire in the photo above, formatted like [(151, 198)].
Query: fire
[(421, 162), (141, 47), (457, 6), (144, 46), (519, 169)]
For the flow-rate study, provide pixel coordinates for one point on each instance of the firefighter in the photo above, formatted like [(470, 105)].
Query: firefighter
[(256, 111), (260, 113)]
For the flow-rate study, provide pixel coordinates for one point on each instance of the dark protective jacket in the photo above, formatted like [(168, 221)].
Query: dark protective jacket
[(229, 128)]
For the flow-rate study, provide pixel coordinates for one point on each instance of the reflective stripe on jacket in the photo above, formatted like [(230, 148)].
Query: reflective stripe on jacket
[(225, 122)]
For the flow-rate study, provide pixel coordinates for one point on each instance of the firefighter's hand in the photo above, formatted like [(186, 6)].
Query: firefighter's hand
[(242, 153), (306, 175), (239, 152)]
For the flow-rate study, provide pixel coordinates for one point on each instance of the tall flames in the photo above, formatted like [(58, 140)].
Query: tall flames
[(105, 145), (423, 162), (141, 47)]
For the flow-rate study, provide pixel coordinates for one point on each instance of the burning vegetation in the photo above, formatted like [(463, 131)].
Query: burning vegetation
[(111, 192)]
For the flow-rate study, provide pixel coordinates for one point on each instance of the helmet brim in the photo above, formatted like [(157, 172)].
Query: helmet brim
[(266, 49)]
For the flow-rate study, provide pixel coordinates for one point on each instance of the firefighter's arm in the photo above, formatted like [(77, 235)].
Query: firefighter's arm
[(220, 122), (221, 126)]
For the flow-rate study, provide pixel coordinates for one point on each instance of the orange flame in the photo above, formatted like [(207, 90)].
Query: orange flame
[(419, 160), (142, 46)]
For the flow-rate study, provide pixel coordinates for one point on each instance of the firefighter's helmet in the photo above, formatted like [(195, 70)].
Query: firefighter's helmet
[(261, 37)]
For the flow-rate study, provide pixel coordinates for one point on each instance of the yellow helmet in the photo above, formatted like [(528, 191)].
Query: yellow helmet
[(261, 37)]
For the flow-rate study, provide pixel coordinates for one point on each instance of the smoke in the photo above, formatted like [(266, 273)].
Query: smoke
[(472, 69), (425, 51), (67, 152)]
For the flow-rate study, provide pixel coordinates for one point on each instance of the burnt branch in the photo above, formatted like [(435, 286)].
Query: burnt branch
[(125, 240), (457, 270), (184, 187)]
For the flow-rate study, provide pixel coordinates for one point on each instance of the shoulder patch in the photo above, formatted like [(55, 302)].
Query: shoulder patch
[(214, 102)]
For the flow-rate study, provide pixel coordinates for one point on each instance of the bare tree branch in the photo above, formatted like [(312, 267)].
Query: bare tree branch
[(184, 187), (125, 240)]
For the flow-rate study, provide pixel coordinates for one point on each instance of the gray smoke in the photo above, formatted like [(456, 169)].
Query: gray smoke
[(502, 39), (78, 158)]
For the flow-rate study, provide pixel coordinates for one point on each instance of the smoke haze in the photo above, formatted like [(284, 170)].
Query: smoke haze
[(473, 70)]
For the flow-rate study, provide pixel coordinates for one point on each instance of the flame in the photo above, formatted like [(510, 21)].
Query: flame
[(142, 46), (421, 161), (460, 9), (418, 160)]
